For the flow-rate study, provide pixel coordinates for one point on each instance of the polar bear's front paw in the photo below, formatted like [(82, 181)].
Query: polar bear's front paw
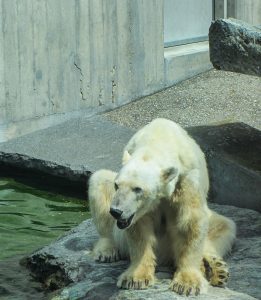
[(188, 283), (216, 270), (138, 279), (107, 255), (105, 251)]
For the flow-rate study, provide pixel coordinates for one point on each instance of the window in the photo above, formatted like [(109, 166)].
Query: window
[(186, 21)]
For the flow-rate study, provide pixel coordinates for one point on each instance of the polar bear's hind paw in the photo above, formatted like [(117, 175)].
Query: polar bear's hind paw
[(216, 271)]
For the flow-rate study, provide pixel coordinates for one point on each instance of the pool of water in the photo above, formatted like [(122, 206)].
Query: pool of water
[(30, 218)]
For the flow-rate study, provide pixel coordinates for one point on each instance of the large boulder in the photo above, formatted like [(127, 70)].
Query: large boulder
[(235, 46), (234, 163), (66, 265)]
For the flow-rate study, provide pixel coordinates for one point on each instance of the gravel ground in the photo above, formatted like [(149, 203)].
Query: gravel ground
[(214, 97)]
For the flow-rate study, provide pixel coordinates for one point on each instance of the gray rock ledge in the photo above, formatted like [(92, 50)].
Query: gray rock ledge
[(67, 266)]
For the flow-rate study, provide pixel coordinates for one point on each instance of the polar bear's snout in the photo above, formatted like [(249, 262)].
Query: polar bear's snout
[(116, 213), (121, 222), (124, 206)]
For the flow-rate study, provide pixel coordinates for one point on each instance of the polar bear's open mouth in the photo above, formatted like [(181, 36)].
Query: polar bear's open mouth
[(124, 223)]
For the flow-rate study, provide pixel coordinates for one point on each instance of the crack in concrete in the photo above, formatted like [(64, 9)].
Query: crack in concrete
[(113, 88), (81, 81)]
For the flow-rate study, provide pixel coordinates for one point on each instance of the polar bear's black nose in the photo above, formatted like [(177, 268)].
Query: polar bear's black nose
[(116, 213)]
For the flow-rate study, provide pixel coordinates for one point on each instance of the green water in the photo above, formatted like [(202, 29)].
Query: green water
[(30, 218)]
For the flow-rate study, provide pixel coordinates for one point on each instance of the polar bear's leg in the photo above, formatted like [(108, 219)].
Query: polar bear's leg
[(188, 278), (221, 234), (188, 232), (141, 241), (101, 191)]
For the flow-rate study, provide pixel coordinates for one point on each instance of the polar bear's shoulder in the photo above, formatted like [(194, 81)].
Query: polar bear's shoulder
[(159, 132)]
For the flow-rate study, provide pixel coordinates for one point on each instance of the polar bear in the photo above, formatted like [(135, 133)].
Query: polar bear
[(154, 211)]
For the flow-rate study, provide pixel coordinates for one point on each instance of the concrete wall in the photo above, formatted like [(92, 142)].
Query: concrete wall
[(59, 58), (246, 10)]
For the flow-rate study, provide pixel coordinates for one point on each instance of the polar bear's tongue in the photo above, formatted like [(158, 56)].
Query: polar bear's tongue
[(124, 223)]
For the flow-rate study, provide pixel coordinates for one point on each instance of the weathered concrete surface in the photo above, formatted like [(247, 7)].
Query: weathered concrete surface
[(104, 58), (75, 149), (235, 46), (68, 260)]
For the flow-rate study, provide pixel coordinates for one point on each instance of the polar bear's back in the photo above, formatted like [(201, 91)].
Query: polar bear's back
[(165, 135)]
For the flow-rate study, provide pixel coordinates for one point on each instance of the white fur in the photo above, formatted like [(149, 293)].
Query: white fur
[(163, 184)]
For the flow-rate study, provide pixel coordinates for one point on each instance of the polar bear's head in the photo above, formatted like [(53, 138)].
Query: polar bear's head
[(139, 187)]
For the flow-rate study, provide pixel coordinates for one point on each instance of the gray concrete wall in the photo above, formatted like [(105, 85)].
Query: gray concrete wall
[(62, 58), (246, 10)]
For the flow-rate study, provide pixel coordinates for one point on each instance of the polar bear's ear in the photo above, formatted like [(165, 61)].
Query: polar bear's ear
[(169, 174), (126, 157)]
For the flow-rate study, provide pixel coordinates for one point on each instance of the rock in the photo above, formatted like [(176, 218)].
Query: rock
[(235, 46), (234, 163), (67, 265)]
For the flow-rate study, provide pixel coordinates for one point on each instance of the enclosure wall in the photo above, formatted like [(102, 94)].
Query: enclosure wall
[(59, 57)]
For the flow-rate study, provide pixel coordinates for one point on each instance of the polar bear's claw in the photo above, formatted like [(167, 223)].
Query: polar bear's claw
[(131, 281), (109, 257), (132, 284), (106, 252), (185, 289)]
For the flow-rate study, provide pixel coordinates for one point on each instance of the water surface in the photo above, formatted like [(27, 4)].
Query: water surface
[(30, 218)]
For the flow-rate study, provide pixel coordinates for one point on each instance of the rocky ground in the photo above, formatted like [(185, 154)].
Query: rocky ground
[(68, 262)]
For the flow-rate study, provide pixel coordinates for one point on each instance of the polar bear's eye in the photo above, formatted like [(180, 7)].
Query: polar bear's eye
[(116, 186), (137, 190)]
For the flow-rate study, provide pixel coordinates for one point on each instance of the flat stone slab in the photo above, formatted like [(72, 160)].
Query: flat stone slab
[(67, 265), (78, 146), (235, 46)]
